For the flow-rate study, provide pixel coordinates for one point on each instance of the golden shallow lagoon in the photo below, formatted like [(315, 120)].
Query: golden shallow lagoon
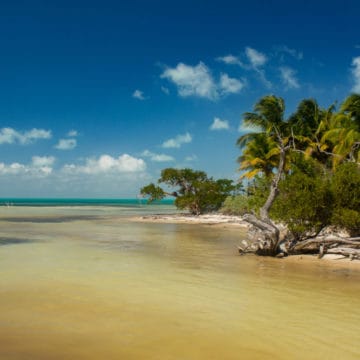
[(87, 283)]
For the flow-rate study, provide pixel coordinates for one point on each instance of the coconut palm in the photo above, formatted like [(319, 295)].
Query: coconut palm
[(344, 136), (308, 125), (260, 155), (351, 106), (272, 141)]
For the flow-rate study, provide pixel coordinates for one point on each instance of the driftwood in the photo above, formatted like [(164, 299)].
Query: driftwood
[(265, 236), (326, 241), (264, 239), (351, 253)]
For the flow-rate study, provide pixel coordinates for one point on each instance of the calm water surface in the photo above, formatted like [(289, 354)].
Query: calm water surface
[(87, 283)]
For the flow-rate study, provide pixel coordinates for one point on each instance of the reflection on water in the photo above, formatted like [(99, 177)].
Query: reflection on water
[(107, 288)]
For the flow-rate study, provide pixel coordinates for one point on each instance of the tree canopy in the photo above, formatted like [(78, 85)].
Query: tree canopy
[(310, 164), (192, 189)]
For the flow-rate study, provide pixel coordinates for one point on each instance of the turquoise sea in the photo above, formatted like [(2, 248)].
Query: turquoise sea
[(132, 202)]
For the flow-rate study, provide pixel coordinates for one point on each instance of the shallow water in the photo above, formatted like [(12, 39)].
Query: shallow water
[(86, 283)]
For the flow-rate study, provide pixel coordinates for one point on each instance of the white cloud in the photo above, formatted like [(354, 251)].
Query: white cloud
[(356, 73), (192, 80), (72, 133), (230, 60), (157, 157), (40, 161), (39, 166), (138, 94), (107, 164), (43, 164), (256, 58), (66, 144), (230, 85), (219, 124), (288, 78), (294, 53), (165, 90), (11, 136), (177, 141)]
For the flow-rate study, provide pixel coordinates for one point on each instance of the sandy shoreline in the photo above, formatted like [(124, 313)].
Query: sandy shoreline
[(219, 220), (209, 219)]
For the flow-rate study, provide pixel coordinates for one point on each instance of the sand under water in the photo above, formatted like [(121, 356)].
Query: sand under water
[(90, 283)]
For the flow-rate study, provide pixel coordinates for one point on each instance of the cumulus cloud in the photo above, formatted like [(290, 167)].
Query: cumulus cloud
[(219, 124), (255, 57), (157, 157), (230, 60), (356, 74), (230, 85), (66, 144), (177, 141), (288, 78), (107, 164), (192, 80), (11, 136), (39, 166), (138, 94), (165, 90)]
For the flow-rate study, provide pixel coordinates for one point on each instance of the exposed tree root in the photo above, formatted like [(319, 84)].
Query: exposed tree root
[(264, 239)]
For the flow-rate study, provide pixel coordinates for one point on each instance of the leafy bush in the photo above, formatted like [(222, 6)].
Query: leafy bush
[(236, 205), (304, 204), (347, 219), (250, 201), (345, 186)]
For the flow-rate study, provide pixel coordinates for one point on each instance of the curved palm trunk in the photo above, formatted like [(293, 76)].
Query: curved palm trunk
[(274, 187), (269, 246)]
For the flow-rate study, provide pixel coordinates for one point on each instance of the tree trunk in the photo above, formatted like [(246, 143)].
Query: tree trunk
[(274, 187), (270, 245)]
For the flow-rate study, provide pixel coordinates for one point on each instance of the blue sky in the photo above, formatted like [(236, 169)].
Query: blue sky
[(96, 97)]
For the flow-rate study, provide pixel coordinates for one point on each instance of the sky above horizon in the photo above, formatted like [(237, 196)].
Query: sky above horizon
[(96, 97)]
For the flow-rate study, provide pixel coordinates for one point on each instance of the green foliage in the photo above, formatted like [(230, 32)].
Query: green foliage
[(154, 192), (236, 205), (347, 219), (194, 191), (346, 186), (249, 202), (321, 179), (346, 191), (304, 202)]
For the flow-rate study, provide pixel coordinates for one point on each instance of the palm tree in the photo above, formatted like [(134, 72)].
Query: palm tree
[(259, 156), (308, 125), (351, 106), (343, 132), (273, 142)]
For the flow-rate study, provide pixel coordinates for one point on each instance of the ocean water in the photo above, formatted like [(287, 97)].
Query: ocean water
[(89, 282), (135, 203)]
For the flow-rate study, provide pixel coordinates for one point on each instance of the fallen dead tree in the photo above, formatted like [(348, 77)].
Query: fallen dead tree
[(265, 239)]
